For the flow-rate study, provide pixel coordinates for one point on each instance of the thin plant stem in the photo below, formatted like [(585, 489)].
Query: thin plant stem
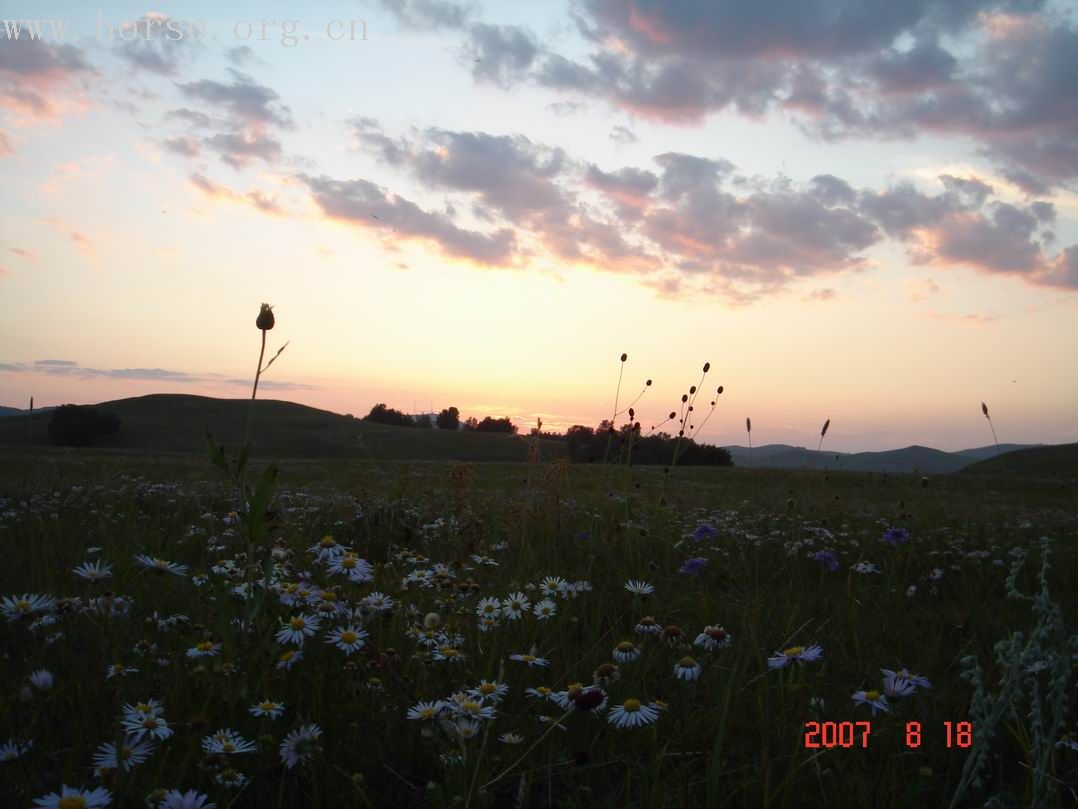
[(254, 390)]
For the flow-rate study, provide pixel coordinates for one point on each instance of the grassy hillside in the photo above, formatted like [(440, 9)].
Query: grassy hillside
[(164, 423), (1060, 461)]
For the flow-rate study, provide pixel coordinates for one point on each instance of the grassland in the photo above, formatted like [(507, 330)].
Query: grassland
[(442, 537)]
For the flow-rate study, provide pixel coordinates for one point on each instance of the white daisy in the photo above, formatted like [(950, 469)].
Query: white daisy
[(489, 691), (626, 652), (639, 588), (632, 713), (42, 679), (350, 565), (206, 648), (426, 710), (119, 670), (126, 756), (148, 725), (93, 571), (297, 628), (531, 660), (160, 565), (74, 798), (288, 658), (795, 654), (488, 608), (300, 745), (267, 707), (712, 638), (514, 606), (174, 799), (379, 602), (13, 749), (348, 640), (545, 609), (15, 607), (874, 698), (228, 742), (687, 669)]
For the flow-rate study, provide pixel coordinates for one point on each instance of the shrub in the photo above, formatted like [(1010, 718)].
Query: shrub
[(80, 426)]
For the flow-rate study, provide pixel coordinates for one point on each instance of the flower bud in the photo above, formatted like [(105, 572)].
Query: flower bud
[(265, 317)]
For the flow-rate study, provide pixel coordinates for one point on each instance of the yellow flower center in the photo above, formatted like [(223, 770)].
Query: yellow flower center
[(449, 652), (286, 656), (72, 802), (124, 754), (631, 705), (349, 562), (428, 713), (267, 706), (471, 707), (872, 696), (327, 542), (297, 623), (228, 747), (687, 663), (142, 707), (544, 690), (205, 646), (625, 646), (349, 637), (326, 595), (486, 689), (150, 723), (23, 605), (793, 651)]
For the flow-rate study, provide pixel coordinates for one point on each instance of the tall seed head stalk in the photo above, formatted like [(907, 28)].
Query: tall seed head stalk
[(984, 409)]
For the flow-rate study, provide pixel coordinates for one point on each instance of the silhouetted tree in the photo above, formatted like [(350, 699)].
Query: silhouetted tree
[(80, 426), (381, 414), (491, 425), (449, 419), (578, 436), (587, 446), (471, 423)]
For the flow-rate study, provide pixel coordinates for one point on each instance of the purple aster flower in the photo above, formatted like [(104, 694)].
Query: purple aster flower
[(896, 536), (692, 567), (828, 559), (704, 531)]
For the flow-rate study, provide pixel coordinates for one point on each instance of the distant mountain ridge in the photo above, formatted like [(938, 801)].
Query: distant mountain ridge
[(15, 411), (924, 460)]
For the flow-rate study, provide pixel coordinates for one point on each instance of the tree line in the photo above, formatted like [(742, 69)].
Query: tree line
[(586, 444)]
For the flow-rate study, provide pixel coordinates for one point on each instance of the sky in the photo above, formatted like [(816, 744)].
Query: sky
[(854, 210)]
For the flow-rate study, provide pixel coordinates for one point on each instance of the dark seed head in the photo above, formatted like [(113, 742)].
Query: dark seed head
[(265, 317), (624, 357)]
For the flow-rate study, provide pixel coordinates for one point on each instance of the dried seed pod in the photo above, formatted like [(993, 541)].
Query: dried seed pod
[(265, 319)]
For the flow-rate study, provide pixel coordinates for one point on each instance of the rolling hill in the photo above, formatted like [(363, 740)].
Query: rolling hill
[(1059, 461), (164, 423)]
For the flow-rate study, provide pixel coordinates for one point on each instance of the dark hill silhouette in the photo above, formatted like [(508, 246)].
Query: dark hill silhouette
[(169, 422)]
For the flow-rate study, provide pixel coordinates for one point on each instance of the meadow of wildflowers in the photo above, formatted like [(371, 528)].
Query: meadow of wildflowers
[(530, 635)]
